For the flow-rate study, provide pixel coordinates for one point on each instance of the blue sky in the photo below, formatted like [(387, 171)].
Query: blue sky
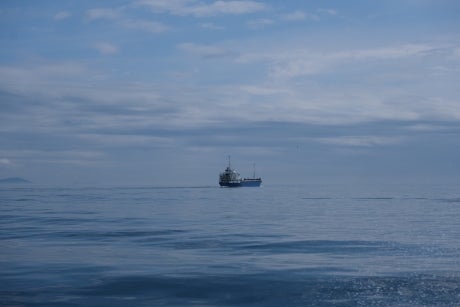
[(159, 92)]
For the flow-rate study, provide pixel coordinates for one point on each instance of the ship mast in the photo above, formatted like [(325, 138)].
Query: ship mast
[(254, 173)]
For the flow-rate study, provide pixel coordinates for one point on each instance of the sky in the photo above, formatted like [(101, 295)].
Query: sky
[(161, 92)]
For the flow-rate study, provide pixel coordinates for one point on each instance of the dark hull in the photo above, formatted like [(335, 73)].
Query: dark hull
[(230, 184), (242, 183), (251, 182)]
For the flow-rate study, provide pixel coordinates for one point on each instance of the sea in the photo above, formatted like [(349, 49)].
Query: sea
[(277, 245)]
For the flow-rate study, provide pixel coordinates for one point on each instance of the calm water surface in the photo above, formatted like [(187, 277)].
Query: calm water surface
[(207, 246)]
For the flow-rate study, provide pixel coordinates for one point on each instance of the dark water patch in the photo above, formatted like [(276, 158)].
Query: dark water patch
[(24, 199), (321, 246), (60, 220), (221, 245), (20, 232), (136, 233), (41, 220), (449, 200), (253, 237), (373, 198), (89, 235), (349, 248), (147, 188), (39, 275), (7, 217), (51, 286), (103, 235), (276, 289)]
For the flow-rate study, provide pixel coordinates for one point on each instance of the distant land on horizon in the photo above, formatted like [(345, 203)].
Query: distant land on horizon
[(14, 180)]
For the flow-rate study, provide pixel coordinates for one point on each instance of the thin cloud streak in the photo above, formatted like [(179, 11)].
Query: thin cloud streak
[(145, 25), (5, 161), (117, 16), (62, 15), (102, 13), (106, 48), (199, 9), (361, 141), (206, 51), (301, 62), (211, 26), (260, 23), (299, 16)]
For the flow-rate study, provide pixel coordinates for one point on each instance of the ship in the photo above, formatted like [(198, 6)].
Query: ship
[(231, 178)]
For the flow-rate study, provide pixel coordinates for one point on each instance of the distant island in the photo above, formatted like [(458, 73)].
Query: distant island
[(14, 180)]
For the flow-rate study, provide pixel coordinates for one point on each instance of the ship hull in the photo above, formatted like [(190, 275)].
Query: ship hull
[(243, 183), (230, 184), (251, 183)]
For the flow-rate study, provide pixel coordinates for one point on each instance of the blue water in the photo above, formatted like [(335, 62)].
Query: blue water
[(312, 245)]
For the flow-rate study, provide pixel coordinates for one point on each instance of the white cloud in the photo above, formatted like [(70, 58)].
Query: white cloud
[(138, 24), (427, 128), (330, 12), (200, 9), (102, 13), (390, 52), (299, 16), (73, 157), (148, 26), (229, 7), (62, 15), (264, 90), (19, 79), (106, 48), (274, 97), (211, 26), (171, 6), (207, 51), (140, 106), (260, 23), (123, 140), (4, 161), (361, 141), (286, 64), (456, 52)]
